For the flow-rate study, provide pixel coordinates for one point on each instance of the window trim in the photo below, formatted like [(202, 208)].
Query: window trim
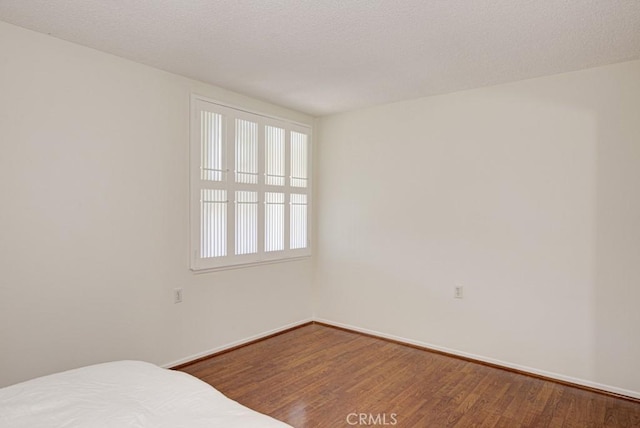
[(234, 261)]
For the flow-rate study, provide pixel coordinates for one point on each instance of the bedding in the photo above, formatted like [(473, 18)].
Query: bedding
[(123, 394)]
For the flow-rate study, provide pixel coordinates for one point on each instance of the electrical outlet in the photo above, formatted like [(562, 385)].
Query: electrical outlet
[(177, 295), (457, 293)]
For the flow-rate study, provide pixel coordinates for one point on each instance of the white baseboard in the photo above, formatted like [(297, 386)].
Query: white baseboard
[(531, 370), (234, 344)]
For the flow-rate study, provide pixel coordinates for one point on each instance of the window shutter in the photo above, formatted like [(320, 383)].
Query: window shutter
[(245, 169)]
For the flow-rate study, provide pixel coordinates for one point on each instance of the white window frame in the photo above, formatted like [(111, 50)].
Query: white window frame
[(197, 184)]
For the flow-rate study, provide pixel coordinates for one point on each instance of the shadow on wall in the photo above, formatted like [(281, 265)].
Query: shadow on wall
[(617, 257)]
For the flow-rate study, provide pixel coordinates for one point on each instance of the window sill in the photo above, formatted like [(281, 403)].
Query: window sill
[(198, 271)]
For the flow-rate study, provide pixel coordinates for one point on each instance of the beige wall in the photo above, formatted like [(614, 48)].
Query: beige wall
[(526, 194), (94, 218)]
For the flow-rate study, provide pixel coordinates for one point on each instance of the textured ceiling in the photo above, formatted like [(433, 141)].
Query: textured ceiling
[(327, 56)]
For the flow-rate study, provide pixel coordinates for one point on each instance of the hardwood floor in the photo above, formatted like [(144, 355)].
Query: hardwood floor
[(318, 376)]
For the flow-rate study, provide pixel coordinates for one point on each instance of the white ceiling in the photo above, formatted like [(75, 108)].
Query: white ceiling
[(328, 56)]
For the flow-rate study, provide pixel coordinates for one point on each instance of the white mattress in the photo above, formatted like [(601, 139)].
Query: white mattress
[(123, 394)]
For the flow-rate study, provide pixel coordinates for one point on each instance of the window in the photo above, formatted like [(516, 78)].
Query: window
[(250, 187)]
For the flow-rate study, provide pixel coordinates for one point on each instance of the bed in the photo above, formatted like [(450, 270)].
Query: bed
[(123, 394)]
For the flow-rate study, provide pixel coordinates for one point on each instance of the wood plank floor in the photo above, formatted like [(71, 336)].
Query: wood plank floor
[(318, 376)]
